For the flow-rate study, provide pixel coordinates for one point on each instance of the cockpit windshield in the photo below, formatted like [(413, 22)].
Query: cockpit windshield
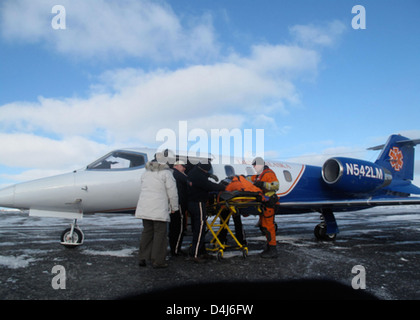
[(119, 160)]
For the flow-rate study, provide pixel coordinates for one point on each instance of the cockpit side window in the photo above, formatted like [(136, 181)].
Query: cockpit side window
[(119, 160)]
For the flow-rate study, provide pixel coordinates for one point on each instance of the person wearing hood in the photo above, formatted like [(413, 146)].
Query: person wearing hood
[(158, 198)]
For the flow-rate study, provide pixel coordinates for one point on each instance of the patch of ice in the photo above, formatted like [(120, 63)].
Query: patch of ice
[(115, 253), (7, 243), (238, 253), (13, 262)]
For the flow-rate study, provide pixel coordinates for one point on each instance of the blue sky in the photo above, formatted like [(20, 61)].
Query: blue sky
[(123, 70)]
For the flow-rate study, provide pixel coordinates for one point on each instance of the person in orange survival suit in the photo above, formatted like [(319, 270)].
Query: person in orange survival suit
[(267, 181)]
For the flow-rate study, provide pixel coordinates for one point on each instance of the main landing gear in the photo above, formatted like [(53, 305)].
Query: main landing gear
[(73, 236), (326, 230)]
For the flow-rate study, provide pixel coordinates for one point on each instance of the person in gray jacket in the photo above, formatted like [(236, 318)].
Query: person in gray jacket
[(158, 198)]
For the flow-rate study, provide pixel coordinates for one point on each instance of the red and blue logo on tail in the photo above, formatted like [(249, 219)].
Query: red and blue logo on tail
[(397, 157)]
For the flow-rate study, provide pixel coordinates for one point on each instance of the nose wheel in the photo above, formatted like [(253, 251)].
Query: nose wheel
[(73, 236)]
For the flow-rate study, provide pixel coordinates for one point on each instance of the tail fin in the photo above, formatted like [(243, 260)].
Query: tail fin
[(397, 157)]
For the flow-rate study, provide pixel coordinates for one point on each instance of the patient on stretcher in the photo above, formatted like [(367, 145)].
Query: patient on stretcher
[(240, 183), (238, 187)]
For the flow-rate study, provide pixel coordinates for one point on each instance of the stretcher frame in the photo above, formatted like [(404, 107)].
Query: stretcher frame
[(233, 204)]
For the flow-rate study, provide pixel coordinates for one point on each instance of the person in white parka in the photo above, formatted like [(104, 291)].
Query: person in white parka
[(158, 198)]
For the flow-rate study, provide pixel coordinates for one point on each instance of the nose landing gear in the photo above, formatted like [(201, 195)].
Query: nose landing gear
[(73, 236)]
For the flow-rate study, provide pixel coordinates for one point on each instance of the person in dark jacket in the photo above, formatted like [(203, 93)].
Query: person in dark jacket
[(176, 226), (198, 193)]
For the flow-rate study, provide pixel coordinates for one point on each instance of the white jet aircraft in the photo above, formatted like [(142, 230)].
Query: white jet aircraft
[(112, 184)]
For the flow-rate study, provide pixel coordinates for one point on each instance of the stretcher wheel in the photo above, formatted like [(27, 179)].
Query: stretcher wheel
[(219, 255), (244, 252)]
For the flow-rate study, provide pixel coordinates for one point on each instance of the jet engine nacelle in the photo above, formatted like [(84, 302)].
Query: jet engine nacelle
[(355, 176)]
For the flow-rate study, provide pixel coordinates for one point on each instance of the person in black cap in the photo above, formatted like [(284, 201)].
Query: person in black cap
[(176, 226), (198, 193)]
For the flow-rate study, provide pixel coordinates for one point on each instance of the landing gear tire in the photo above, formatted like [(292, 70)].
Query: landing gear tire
[(320, 233), (71, 239)]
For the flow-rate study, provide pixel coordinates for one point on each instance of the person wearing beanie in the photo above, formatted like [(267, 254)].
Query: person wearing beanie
[(267, 181), (198, 192), (176, 226)]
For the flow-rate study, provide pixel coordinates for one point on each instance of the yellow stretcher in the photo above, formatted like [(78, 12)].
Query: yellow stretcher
[(236, 202)]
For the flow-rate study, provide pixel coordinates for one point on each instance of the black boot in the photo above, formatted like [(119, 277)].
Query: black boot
[(269, 253)]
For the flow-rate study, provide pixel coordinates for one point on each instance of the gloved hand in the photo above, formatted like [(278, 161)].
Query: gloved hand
[(259, 184), (214, 177)]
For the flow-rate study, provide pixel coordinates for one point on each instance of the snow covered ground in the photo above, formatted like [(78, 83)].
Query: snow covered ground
[(385, 240)]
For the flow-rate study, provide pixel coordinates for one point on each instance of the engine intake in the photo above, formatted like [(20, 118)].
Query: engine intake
[(354, 176)]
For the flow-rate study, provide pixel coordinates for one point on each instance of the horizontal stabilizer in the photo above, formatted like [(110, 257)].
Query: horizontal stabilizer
[(413, 142), (409, 189)]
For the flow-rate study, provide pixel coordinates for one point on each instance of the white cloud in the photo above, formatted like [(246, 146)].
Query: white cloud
[(31, 151), (320, 158), (318, 35), (133, 104), (133, 28), (292, 60), (127, 107)]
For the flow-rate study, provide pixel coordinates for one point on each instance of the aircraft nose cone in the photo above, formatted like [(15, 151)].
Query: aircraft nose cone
[(7, 197)]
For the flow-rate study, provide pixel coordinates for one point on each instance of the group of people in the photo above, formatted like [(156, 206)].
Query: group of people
[(166, 195)]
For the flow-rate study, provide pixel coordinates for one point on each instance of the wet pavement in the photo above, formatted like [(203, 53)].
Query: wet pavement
[(384, 241)]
